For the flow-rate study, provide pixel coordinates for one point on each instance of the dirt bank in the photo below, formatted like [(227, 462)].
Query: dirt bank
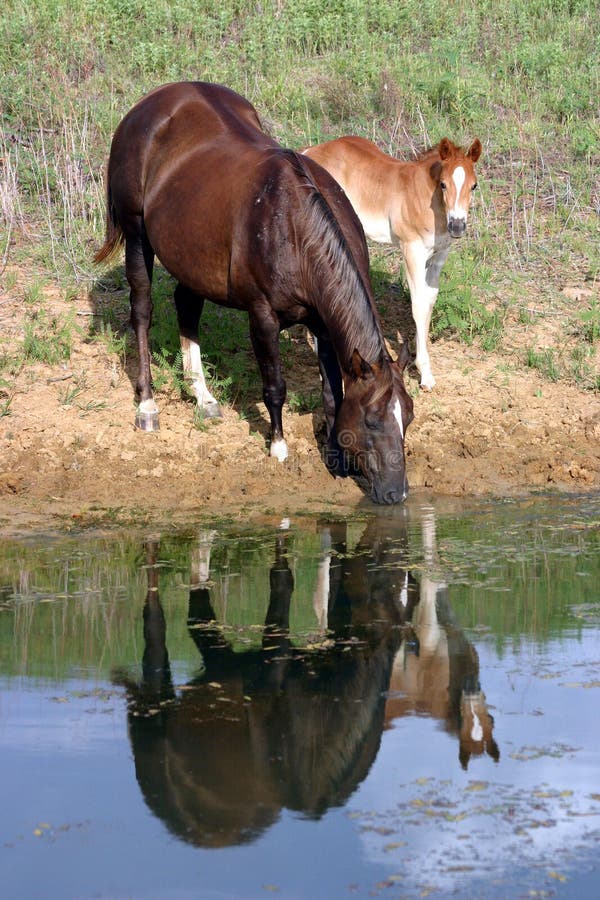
[(69, 452)]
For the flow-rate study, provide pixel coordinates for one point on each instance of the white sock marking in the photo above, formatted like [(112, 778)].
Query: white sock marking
[(279, 450)]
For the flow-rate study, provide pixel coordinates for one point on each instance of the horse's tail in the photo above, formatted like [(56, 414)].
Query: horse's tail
[(114, 232)]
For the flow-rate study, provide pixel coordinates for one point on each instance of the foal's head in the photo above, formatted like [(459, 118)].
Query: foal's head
[(457, 180), (371, 424)]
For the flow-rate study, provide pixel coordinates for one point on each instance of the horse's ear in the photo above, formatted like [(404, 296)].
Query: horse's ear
[(403, 357), (493, 750), (474, 151), (444, 148), (360, 367)]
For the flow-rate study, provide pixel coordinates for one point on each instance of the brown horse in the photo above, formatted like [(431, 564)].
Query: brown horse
[(236, 219), (420, 204)]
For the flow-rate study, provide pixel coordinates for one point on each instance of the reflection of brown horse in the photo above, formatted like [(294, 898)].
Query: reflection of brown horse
[(267, 728), (437, 672)]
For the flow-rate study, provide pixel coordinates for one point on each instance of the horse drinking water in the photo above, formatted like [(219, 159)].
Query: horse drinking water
[(235, 218), (420, 204)]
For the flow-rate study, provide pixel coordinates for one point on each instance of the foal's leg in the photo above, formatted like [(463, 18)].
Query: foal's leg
[(264, 333), (139, 263), (423, 295), (189, 309)]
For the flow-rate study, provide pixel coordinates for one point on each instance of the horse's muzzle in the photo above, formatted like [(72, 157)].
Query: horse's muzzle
[(389, 496), (456, 227)]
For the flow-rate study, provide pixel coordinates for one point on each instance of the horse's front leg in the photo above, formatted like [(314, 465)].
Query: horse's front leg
[(139, 263), (189, 309), (331, 376), (264, 334), (423, 296), (333, 394)]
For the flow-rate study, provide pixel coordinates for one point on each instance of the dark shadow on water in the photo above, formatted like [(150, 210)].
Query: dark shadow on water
[(284, 726)]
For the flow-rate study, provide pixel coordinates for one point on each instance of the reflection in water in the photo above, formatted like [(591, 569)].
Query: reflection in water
[(282, 726), (436, 671)]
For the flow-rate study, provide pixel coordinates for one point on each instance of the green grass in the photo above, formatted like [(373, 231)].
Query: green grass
[(523, 75), (47, 339)]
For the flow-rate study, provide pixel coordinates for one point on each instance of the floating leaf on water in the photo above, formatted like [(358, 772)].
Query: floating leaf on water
[(477, 786), (557, 876), (395, 845)]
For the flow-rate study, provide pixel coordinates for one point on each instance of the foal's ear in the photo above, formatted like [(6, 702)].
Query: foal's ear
[(403, 357), (474, 151), (360, 367), (444, 148)]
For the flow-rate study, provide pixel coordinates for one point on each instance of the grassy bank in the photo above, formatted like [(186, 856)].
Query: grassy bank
[(523, 76)]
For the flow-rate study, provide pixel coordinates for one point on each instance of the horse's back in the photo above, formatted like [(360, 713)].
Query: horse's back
[(167, 125), (170, 112)]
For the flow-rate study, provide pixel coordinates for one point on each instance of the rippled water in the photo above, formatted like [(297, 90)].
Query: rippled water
[(404, 704)]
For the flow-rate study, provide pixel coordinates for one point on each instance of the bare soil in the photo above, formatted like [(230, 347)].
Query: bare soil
[(492, 426)]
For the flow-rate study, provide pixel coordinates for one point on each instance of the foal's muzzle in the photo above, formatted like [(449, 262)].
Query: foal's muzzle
[(456, 227)]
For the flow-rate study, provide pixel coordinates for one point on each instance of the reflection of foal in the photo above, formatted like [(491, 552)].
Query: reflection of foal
[(436, 669), (437, 673), (420, 204)]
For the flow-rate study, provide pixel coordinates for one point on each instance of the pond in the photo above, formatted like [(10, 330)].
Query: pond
[(400, 704)]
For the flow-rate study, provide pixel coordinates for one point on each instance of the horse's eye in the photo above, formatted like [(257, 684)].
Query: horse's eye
[(372, 423), (474, 186), (443, 185)]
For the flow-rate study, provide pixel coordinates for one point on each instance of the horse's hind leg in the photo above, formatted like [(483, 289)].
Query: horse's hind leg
[(189, 309), (139, 263)]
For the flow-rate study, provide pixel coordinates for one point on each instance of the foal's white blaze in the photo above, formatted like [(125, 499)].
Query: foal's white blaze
[(398, 417), (458, 177), (476, 729)]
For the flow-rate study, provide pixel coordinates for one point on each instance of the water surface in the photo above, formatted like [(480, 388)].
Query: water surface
[(404, 704)]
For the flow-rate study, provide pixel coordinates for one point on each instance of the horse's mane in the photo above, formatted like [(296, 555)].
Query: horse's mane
[(340, 294)]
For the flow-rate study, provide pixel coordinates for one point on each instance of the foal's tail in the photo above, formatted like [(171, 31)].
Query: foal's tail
[(114, 232)]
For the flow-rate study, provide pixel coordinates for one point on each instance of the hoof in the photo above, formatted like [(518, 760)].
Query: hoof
[(147, 420), (210, 411)]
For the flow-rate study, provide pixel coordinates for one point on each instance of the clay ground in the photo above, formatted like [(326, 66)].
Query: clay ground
[(69, 452)]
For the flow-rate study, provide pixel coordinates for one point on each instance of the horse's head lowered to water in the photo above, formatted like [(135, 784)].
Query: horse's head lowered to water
[(457, 180), (371, 425)]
